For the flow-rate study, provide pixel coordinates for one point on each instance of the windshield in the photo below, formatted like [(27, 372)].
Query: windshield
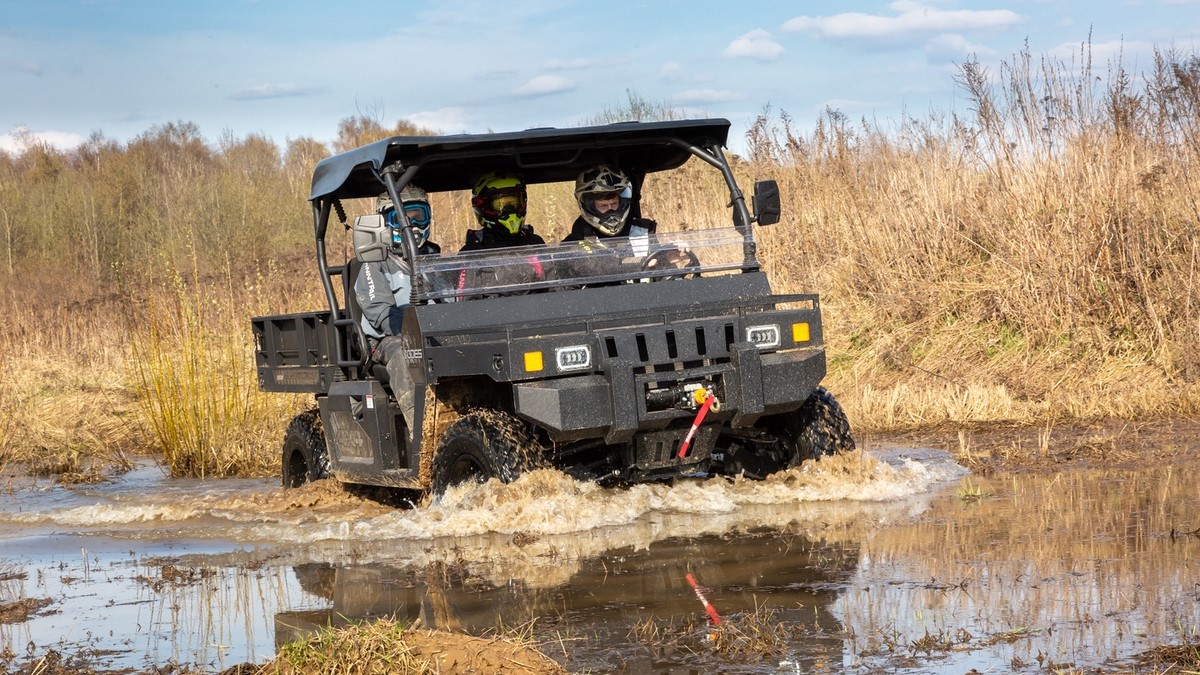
[(576, 264)]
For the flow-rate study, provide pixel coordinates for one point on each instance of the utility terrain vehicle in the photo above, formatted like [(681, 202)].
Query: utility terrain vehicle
[(622, 360)]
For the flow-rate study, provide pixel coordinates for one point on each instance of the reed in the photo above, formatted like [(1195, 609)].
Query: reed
[(192, 369), (1034, 260), (393, 647)]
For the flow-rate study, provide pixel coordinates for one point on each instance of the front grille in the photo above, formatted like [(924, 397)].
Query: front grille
[(677, 343)]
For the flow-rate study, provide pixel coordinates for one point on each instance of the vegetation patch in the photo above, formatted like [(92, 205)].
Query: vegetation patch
[(1183, 658), (20, 611), (388, 647)]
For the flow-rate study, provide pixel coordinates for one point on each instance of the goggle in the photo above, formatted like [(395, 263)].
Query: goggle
[(418, 215), (504, 202), (511, 199)]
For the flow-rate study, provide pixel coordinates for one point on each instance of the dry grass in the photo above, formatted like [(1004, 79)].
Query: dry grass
[(760, 635), (390, 647), (1034, 260), (1172, 659), (193, 371), (156, 367), (1003, 266)]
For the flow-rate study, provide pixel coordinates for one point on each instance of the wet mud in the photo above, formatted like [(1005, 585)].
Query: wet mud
[(895, 559)]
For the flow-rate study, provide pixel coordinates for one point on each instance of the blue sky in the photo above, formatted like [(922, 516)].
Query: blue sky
[(295, 69)]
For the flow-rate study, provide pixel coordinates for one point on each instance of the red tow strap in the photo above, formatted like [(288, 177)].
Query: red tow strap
[(687, 440)]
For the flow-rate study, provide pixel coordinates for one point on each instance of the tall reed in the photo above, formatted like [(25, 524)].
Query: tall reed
[(193, 372), (1042, 248)]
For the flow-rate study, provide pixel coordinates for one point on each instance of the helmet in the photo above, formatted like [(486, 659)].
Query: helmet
[(499, 201), (606, 184), (416, 208)]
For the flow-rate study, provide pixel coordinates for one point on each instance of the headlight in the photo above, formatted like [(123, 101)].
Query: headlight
[(576, 357), (763, 337)]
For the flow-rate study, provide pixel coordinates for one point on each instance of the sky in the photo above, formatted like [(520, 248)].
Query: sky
[(287, 70)]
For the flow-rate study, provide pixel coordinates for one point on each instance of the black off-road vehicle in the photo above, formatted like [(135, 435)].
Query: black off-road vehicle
[(622, 360)]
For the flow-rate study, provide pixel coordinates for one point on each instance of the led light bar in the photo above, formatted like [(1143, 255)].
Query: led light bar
[(575, 357), (764, 336)]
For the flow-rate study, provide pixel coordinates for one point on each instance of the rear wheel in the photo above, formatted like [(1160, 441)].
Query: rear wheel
[(480, 445), (305, 457)]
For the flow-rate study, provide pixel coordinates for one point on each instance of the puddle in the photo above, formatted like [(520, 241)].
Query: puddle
[(894, 560)]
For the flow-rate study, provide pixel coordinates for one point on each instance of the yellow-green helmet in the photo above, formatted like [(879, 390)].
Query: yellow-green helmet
[(498, 200)]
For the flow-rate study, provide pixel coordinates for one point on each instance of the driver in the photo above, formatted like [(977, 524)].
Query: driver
[(605, 195)]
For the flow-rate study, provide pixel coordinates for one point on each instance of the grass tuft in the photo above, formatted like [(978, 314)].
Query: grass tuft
[(194, 377)]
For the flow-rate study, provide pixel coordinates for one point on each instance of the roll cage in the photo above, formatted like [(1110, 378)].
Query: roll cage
[(544, 155)]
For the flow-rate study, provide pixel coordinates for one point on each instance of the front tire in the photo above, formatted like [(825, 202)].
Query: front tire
[(305, 457), (818, 428), (480, 445)]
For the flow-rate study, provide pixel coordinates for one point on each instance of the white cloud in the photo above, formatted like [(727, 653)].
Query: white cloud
[(847, 106), (912, 19), (264, 91), (951, 47), (443, 120), (705, 96), (22, 138), (546, 84), (757, 44), (671, 70), (27, 67)]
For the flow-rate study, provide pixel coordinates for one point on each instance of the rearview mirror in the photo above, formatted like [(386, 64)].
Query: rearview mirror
[(766, 202), (372, 238)]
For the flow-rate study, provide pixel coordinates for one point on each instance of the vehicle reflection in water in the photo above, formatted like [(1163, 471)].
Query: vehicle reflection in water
[(605, 601)]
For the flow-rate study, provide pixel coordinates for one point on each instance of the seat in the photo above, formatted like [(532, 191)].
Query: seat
[(359, 346)]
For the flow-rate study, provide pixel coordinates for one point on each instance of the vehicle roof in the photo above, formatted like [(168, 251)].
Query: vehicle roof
[(542, 155)]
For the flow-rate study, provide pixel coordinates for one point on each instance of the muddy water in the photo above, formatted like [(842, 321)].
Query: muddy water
[(894, 560)]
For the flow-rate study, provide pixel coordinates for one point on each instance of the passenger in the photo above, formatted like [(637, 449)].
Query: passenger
[(499, 201), (383, 290), (605, 196)]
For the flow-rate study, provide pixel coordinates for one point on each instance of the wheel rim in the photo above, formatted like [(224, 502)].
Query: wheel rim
[(297, 469), (467, 468)]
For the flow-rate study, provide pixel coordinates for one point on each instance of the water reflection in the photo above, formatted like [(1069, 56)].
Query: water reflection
[(1077, 568), (892, 562), (785, 574)]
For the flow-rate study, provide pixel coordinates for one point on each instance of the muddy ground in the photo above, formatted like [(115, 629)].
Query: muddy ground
[(1015, 550)]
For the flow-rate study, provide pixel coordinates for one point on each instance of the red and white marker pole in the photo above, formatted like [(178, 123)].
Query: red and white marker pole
[(712, 612)]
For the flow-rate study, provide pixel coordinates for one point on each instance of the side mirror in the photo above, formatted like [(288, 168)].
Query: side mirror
[(372, 238), (766, 202)]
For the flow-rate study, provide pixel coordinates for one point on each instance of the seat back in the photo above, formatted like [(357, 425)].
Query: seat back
[(359, 345)]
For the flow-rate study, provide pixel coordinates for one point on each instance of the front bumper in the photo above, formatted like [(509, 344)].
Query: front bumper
[(614, 405)]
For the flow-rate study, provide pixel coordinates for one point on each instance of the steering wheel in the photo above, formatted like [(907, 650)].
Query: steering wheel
[(672, 258)]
